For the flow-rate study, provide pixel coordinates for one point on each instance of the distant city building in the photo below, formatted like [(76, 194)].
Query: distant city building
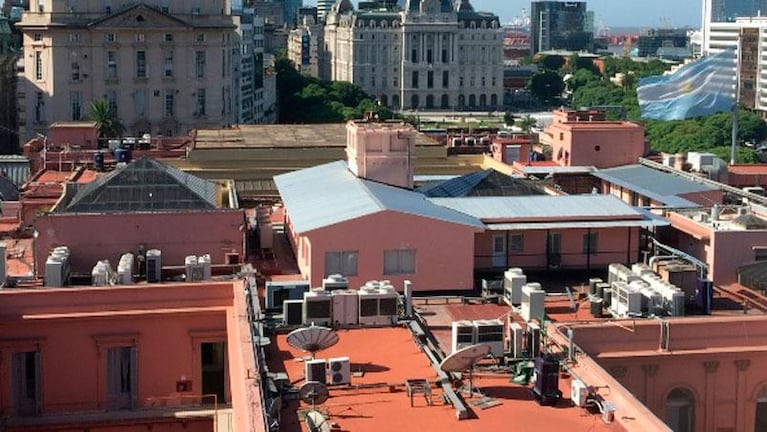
[(162, 68), (721, 11), (655, 41), (323, 7), (9, 56), (753, 36), (560, 25), (433, 54), (290, 11), (304, 43)]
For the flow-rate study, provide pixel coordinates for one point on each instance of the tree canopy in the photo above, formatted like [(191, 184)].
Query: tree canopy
[(304, 99), (107, 123)]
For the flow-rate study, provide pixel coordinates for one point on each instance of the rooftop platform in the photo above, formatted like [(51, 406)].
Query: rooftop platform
[(378, 400)]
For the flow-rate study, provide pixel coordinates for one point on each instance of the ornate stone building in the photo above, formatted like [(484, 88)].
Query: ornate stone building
[(431, 54), (163, 66)]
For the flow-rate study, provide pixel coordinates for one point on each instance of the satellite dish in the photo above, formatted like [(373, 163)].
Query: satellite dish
[(313, 392), (316, 422), (464, 360), (312, 339)]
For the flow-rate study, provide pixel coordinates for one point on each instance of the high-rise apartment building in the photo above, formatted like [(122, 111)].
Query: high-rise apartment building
[(323, 8), (162, 66), (723, 11), (431, 54), (560, 25), (304, 44)]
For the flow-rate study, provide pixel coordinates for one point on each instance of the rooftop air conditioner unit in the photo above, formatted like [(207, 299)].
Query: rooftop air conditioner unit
[(345, 307), (533, 299), (279, 291), (517, 340), (153, 265), (292, 312), (533, 340), (464, 334), (513, 281), (334, 282), (339, 371), (314, 370), (579, 393), (490, 332), (378, 306), (317, 307)]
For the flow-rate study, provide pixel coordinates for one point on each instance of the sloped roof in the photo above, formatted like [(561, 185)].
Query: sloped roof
[(482, 183), (8, 189), (329, 194), (660, 186), (144, 185)]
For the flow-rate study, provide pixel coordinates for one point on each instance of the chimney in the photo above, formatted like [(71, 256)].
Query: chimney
[(381, 152)]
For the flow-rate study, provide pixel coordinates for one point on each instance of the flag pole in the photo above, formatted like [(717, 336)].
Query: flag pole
[(735, 104)]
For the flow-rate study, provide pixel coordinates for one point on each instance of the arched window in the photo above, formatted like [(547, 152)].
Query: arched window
[(445, 102), (384, 100), (482, 101), (414, 102), (472, 101), (429, 101), (494, 101), (461, 101), (680, 410), (395, 102), (760, 420)]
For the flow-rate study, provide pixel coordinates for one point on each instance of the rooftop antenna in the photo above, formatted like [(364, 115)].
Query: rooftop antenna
[(464, 360), (312, 339)]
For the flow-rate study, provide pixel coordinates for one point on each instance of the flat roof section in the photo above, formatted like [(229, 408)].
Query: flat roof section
[(661, 186), (378, 400), (282, 136)]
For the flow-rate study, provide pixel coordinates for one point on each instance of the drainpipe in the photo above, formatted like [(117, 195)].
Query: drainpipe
[(659, 258)]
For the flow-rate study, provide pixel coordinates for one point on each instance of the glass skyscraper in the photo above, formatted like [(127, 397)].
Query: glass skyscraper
[(729, 10)]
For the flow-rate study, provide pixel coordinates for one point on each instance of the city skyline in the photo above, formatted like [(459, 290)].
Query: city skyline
[(649, 13)]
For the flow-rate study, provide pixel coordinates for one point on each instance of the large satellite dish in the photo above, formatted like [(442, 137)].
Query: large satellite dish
[(313, 392), (464, 360), (312, 339)]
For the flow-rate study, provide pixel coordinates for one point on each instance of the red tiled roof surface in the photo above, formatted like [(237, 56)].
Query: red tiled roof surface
[(378, 400)]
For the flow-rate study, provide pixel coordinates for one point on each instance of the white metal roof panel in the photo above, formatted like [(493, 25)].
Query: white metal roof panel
[(328, 194), (565, 207), (658, 185)]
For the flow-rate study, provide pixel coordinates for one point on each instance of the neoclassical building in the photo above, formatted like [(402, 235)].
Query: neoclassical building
[(163, 66), (431, 54)]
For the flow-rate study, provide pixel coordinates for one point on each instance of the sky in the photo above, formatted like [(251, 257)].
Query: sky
[(613, 13)]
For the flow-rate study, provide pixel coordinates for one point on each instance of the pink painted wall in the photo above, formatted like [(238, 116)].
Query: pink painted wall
[(717, 359), (706, 199), (614, 245), (71, 328), (444, 251), (94, 237), (599, 144), (85, 136)]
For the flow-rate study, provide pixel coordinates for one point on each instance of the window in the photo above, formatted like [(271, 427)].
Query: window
[(25, 382), (199, 64), (37, 37), (429, 58), (444, 56), (168, 37), (75, 71), (38, 65), (74, 103), (140, 64), (74, 37), (169, 102), (680, 410), (517, 242), (121, 377), (415, 79), (39, 107), (399, 261), (139, 103), (199, 37), (111, 37), (430, 79), (200, 110), (414, 55), (112, 101), (140, 37), (108, 6), (168, 65), (590, 246), (111, 65), (445, 79), (343, 263)]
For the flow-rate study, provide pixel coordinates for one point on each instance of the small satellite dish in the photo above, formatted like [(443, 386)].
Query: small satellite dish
[(312, 339), (316, 422), (313, 392), (464, 360)]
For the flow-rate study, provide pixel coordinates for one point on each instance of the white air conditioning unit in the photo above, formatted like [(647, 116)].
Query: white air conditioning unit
[(490, 333), (516, 340), (339, 371), (533, 339), (513, 281), (292, 312), (345, 307), (464, 334), (335, 281), (579, 393), (153, 265), (314, 370), (318, 307), (533, 301)]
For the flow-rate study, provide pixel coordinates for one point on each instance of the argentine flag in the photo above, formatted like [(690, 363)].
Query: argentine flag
[(703, 87)]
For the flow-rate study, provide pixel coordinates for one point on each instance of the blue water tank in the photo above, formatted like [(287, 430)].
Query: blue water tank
[(98, 161)]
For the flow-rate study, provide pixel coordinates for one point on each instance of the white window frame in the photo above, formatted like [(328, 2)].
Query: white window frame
[(399, 261), (344, 263)]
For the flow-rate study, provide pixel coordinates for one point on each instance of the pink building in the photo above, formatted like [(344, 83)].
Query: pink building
[(82, 134), (144, 205), (364, 229), (724, 237), (581, 138), (167, 357), (697, 374)]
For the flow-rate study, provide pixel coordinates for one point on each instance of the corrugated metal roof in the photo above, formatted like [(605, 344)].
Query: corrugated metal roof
[(657, 185), (329, 194), (567, 207), (586, 224), (16, 168)]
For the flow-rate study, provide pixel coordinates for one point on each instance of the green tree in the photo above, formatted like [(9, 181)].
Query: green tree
[(107, 123), (551, 62), (527, 123), (508, 118), (547, 86)]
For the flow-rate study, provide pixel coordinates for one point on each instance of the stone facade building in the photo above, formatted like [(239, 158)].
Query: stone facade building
[(431, 54), (9, 55), (163, 66)]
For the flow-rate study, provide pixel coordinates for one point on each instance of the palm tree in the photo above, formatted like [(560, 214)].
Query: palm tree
[(528, 123), (107, 123)]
